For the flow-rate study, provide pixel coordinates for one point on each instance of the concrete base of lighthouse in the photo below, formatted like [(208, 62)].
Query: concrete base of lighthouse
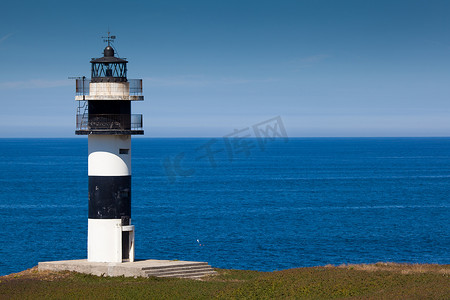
[(140, 268)]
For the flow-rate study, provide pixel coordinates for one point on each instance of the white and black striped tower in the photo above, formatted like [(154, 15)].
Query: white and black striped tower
[(104, 114)]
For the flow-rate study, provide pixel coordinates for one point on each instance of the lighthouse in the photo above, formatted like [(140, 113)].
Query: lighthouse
[(104, 115)]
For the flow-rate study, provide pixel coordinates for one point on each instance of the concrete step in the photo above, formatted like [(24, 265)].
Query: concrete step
[(180, 268), (179, 271), (191, 276), (176, 266)]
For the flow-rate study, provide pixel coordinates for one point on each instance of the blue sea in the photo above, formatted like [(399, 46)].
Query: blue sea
[(243, 205)]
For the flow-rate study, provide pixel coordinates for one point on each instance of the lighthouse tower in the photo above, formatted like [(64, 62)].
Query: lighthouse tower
[(104, 115)]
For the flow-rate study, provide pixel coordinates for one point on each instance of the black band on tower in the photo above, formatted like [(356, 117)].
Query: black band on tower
[(109, 197)]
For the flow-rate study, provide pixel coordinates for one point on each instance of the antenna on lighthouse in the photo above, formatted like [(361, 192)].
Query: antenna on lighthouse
[(109, 39)]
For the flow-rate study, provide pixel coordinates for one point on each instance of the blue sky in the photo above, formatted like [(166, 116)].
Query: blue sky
[(328, 68)]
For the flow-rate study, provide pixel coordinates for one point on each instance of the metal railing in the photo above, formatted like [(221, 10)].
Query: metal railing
[(82, 87), (135, 87), (105, 122)]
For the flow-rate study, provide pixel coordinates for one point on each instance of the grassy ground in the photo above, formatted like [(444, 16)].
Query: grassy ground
[(377, 281)]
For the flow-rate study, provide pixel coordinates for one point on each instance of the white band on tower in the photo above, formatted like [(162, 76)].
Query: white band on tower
[(109, 155)]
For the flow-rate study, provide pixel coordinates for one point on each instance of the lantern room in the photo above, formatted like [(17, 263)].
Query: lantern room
[(108, 68)]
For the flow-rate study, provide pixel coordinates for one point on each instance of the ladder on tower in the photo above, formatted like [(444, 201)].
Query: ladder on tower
[(83, 107), (83, 111)]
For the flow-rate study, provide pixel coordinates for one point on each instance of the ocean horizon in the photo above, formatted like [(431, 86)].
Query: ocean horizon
[(244, 203)]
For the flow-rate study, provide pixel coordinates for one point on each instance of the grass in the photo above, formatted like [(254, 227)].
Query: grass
[(374, 281)]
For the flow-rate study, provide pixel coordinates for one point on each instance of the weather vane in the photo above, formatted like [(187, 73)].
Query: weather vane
[(109, 39)]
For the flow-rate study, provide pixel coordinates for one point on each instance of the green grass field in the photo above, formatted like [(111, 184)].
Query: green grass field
[(376, 281)]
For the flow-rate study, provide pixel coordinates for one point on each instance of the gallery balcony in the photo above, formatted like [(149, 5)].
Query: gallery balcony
[(127, 124)]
